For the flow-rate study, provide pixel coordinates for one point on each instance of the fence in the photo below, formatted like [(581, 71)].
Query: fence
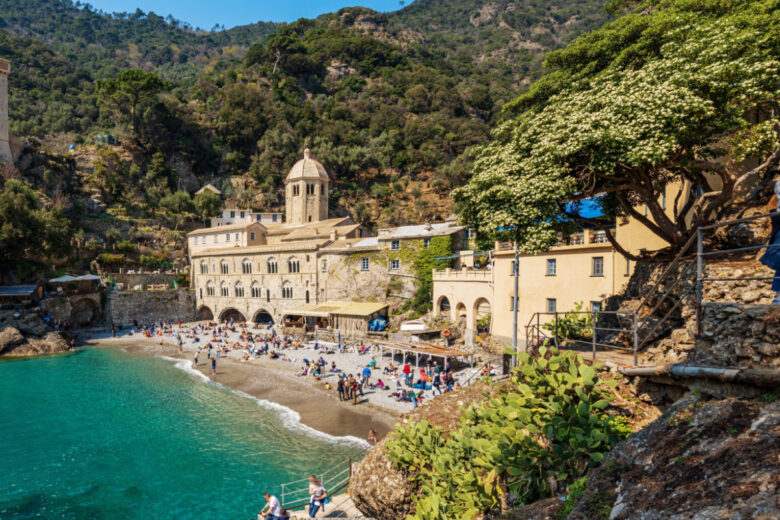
[(701, 255), (607, 330), (295, 495)]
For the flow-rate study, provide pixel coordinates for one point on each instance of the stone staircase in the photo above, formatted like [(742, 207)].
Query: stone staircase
[(341, 506)]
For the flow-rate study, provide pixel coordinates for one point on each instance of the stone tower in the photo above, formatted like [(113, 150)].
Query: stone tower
[(5, 147), (306, 191)]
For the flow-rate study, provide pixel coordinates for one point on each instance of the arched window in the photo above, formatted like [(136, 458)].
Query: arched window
[(293, 265), (239, 290), (224, 290), (209, 288), (204, 268), (273, 267), (246, 266), (257, 291), (224, 267), (307, 296), (287, 290)]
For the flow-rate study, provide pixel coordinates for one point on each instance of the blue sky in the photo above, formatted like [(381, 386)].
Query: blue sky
[(206, 13)]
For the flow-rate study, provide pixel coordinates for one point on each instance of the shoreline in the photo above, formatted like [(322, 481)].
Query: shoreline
[(301, 405)]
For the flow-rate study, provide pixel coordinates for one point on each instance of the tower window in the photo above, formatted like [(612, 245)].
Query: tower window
[(322, 189), (364, 264)]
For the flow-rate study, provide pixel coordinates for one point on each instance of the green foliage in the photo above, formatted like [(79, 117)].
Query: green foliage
[(127, 246), (178, 202), (575, 491), (112, 259), (129, 90), (626, 107), (547, 427), (155, 261), (424, 263), (207, 204), (572, 324), (29, 231)]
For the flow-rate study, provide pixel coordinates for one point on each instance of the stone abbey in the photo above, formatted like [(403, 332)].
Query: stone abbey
[(258, 268)]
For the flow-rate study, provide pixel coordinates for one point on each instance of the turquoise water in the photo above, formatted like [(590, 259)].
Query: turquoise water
[(100, 434)]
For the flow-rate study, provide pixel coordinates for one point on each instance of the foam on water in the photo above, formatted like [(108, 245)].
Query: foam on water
[(289, 417)]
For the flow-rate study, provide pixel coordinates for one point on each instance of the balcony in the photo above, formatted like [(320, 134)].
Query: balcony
[(463, 275)]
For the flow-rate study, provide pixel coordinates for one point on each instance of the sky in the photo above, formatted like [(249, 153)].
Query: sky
[(206, 13)]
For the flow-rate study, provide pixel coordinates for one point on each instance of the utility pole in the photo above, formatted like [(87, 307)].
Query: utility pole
[(516, 273)]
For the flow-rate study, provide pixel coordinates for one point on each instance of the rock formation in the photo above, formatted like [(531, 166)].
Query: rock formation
[(28, 335)]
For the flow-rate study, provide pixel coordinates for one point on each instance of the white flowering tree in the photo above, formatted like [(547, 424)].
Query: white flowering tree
[(679, 89)]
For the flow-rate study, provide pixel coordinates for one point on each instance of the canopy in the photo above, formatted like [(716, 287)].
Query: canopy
[(68, 278), (323, 310)]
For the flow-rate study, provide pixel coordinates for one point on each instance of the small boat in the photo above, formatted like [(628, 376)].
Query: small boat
[(413, 325)]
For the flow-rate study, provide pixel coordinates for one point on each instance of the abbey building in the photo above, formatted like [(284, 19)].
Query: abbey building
[(257, 268)]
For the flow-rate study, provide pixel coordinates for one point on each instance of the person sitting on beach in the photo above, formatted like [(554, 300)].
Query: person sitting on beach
[(272, 509), (317, 496), (304, 370), (380, 384), (333, 367), (372, 364)]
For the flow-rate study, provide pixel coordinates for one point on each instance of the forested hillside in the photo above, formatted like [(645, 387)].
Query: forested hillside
[(390, 103)]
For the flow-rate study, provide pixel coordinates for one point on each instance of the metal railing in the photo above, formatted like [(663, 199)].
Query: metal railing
[(701, 254), (295, 495), (603, 327)]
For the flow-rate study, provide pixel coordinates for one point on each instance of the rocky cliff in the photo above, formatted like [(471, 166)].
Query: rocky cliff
[(26, 334)]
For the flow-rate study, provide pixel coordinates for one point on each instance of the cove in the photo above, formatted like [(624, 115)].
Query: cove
[(102, 434)]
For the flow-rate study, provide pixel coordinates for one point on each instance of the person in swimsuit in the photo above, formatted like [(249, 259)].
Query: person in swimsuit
[(213, 367)]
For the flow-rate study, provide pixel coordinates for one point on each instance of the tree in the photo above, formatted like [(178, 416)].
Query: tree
[(207, 203), (178, 202), (677, 90), (27, 230), (130, 89)]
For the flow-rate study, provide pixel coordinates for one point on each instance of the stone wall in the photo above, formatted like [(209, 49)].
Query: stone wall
[(171, 305), (129, 281)]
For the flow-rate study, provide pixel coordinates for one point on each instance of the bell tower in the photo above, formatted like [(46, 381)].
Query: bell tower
[(306, 191), (5, 147)]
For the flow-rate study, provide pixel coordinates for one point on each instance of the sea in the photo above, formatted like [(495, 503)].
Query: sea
[(104, 434)]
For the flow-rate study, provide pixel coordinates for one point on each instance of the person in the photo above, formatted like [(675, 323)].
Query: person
[(437, 383), (195, 363), (272, 509), (113, 331), (771, 257), (366, 376), (317, 496), (214, 367), (372, 436), (407, 374), (340, 387)]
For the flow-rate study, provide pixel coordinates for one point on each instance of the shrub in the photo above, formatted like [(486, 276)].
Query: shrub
[(111, 259), (544, 431), (127, 246), (572, 325)]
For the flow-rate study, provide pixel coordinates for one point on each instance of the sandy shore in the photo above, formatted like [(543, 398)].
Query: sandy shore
[(275, 382)]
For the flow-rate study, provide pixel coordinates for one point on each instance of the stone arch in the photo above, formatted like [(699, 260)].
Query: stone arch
[(205, 314), (443, 306), (84, 312), (263, 316), (482, 308), (460, 310), (230, 312)]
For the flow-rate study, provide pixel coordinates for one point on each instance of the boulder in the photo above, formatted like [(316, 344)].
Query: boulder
[(10, 338)]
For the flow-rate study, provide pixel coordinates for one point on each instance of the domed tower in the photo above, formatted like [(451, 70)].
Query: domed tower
[(306, 191)]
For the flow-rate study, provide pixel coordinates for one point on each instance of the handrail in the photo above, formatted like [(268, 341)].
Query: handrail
[(666, 272), (334, 483)]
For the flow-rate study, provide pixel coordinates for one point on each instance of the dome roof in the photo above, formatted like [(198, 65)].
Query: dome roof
[(307, 168)]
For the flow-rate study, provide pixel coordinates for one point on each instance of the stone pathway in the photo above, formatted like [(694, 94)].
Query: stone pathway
[(340, 507)]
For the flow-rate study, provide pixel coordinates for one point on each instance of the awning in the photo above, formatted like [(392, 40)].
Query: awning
[(323, 310)]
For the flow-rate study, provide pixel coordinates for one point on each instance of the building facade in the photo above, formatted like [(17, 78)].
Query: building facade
[(260, 270)]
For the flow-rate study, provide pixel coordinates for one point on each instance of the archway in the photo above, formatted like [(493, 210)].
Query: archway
[(443, 306), (84, 312), (229, 313), (460, 310), (205, 314), (263, 316), (482, 315)]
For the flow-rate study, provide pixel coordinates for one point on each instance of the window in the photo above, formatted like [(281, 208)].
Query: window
[(322, 189), (364, 264), (595, 307), (310, 189), (395, 245), (552, 305), (223, 290), (236, 236), (598, 266), (307, 296), (287, 291), (252, 235), (628, 267), (296, 190), (232, 214), (322, 294), (395, 265), (259, 218), (227, 237), (324, 265), (273, 268), (273, 218), (242, 214), (239, 290), (224, 267), (204, 268), (551, 265), (209, 289), (257, 291), (426, 242), (294, 266), (246, 266)]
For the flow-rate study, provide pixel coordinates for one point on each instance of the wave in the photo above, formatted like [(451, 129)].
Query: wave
[(289, 417)]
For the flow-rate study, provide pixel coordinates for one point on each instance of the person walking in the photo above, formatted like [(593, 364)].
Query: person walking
[(771, 257), (437, 383), (195, 360), (340, 387), (213, 367), (366, 376), (317, 496), (407, 374)]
